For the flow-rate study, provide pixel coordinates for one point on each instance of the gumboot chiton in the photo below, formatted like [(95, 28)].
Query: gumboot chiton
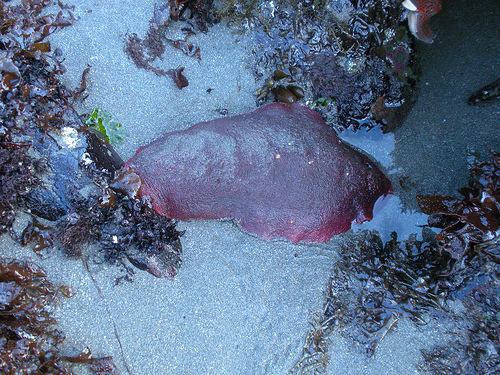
[(279, 171)]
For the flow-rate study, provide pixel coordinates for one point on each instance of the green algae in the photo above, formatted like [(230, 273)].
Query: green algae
[(102, 121)]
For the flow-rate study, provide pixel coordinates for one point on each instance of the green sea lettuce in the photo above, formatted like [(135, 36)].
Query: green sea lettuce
[(113, 131)]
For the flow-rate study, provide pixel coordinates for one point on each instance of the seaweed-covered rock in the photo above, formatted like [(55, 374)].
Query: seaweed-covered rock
[(31, 97), (352, 54), (125, 229), (53, 166)]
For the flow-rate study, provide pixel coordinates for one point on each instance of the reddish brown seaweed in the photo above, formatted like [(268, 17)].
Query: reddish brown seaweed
[(29, 340), (470, 220)]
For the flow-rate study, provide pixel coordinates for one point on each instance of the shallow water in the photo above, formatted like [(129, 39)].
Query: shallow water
[(442, 129)]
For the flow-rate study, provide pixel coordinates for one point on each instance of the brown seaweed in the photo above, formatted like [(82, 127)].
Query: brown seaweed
[(191, 50), (179, 78), (201, 11), (474, 347), (469, 233), (134, 48), (17, 176), (144, 52), (36, 118), (38, 234), (371, 287), (79, 93), (471, 220), (126, 230), (99, 366), (397, 279), (32, 98), (29, 340), (282, 86)]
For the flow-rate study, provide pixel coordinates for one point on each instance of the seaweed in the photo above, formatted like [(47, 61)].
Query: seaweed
[(191, 50), (134, 48), (51, 166), (99, 366), (32, 98), (30, 85), (476, 344), (143, 52), (179, 79), (276, 85), (471, 220), (17, 176), (39, 234), (469, 234), (371, 287), (397, 279), (26, 321), (126, 228), (101, 121), (201, 11), (80, 92), (29, 341), (352, 53)]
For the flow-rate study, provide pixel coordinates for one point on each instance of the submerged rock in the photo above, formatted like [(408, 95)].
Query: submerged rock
[(72, 156), (485, 94)]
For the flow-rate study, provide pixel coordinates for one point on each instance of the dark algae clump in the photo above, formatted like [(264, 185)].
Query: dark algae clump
[(16, 176), (470, 234), (29, 340), (32, 99), (471, 220), (372, 286), (125, 229), (352, 60), (475, 345)]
